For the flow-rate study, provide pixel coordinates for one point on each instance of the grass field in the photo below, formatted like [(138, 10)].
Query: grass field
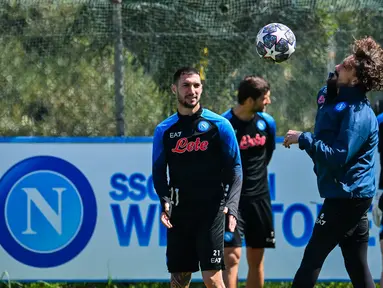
[(151, 285), (8, 283)]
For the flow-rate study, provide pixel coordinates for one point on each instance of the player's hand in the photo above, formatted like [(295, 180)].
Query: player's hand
[(291, 137), (165, 216), (376, 212), (232, 223)]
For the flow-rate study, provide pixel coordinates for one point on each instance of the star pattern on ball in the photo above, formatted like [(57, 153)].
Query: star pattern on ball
[(271, 53), (291, 49), (279, 34), (275, 41), (263, 34)]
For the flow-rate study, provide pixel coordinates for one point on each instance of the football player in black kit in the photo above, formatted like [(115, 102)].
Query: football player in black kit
[(255, 131), (200, 150)]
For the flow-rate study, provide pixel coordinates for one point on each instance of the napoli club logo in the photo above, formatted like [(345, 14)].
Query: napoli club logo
[(203, 126), (340, 106), (49, 211), (261, 125)]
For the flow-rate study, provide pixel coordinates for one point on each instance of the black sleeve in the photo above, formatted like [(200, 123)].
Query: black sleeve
[(159, 168), (270, 144), (232, 166)]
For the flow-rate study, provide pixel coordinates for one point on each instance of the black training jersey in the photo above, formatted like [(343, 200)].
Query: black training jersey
[(256, 139), (202, 157)]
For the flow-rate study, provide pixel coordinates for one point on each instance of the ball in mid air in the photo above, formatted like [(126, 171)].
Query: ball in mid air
[(275, 42)]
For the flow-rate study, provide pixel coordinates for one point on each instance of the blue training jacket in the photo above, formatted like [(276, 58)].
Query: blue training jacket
[(343, 145)]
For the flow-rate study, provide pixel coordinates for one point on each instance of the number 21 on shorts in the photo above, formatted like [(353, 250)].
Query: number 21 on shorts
[(216, 256)]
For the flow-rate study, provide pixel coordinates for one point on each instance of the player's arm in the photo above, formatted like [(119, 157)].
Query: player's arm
[(159, 167), (321, 97), (350, 139), (232, 166), (270, 143)]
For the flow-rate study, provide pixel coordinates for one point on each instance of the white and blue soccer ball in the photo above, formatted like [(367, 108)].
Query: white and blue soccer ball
[(275, 42)]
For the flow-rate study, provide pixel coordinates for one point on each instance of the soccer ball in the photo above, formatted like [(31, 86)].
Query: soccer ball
[(275, 42)]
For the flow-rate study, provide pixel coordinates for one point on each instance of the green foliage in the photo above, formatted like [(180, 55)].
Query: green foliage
[(57, 60)]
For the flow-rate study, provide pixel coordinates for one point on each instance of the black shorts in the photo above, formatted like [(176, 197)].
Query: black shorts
[(195, 242), (255, 224)]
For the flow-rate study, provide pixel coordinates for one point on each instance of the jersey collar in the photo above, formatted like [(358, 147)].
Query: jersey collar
[(240, 120), (350, 94), (195, 116)]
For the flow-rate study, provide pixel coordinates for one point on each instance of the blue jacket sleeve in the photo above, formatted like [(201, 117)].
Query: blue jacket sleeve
[(232, 166), (351, 137), (159, 167), (321, 98)]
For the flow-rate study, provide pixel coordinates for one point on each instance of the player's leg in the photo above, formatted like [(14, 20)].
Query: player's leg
[(354, 249), (232, 253), (213, 278), (255, 260), (232, 259), (381, 251), (181, 252), (210, 245), (355, 259), (335, 221), (327, 233), (259, 234), (180, 280)]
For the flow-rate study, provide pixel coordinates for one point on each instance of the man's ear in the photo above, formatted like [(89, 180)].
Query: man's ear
[(354, 81), (249, 101), (174, 89)]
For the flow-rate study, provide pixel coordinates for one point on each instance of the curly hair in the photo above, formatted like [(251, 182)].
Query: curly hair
[(368, 62)]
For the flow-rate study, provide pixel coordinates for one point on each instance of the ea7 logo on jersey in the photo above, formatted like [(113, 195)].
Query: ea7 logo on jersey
[(175, 134), (320, 220), (215, 260), (184, 145)]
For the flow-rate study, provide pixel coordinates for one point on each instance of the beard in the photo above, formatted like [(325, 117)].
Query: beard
[(332, 86), (258, 109), (185, 104)]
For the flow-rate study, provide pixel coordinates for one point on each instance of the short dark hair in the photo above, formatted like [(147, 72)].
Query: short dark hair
[(184, 70), (252, 86), (368, 62)]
